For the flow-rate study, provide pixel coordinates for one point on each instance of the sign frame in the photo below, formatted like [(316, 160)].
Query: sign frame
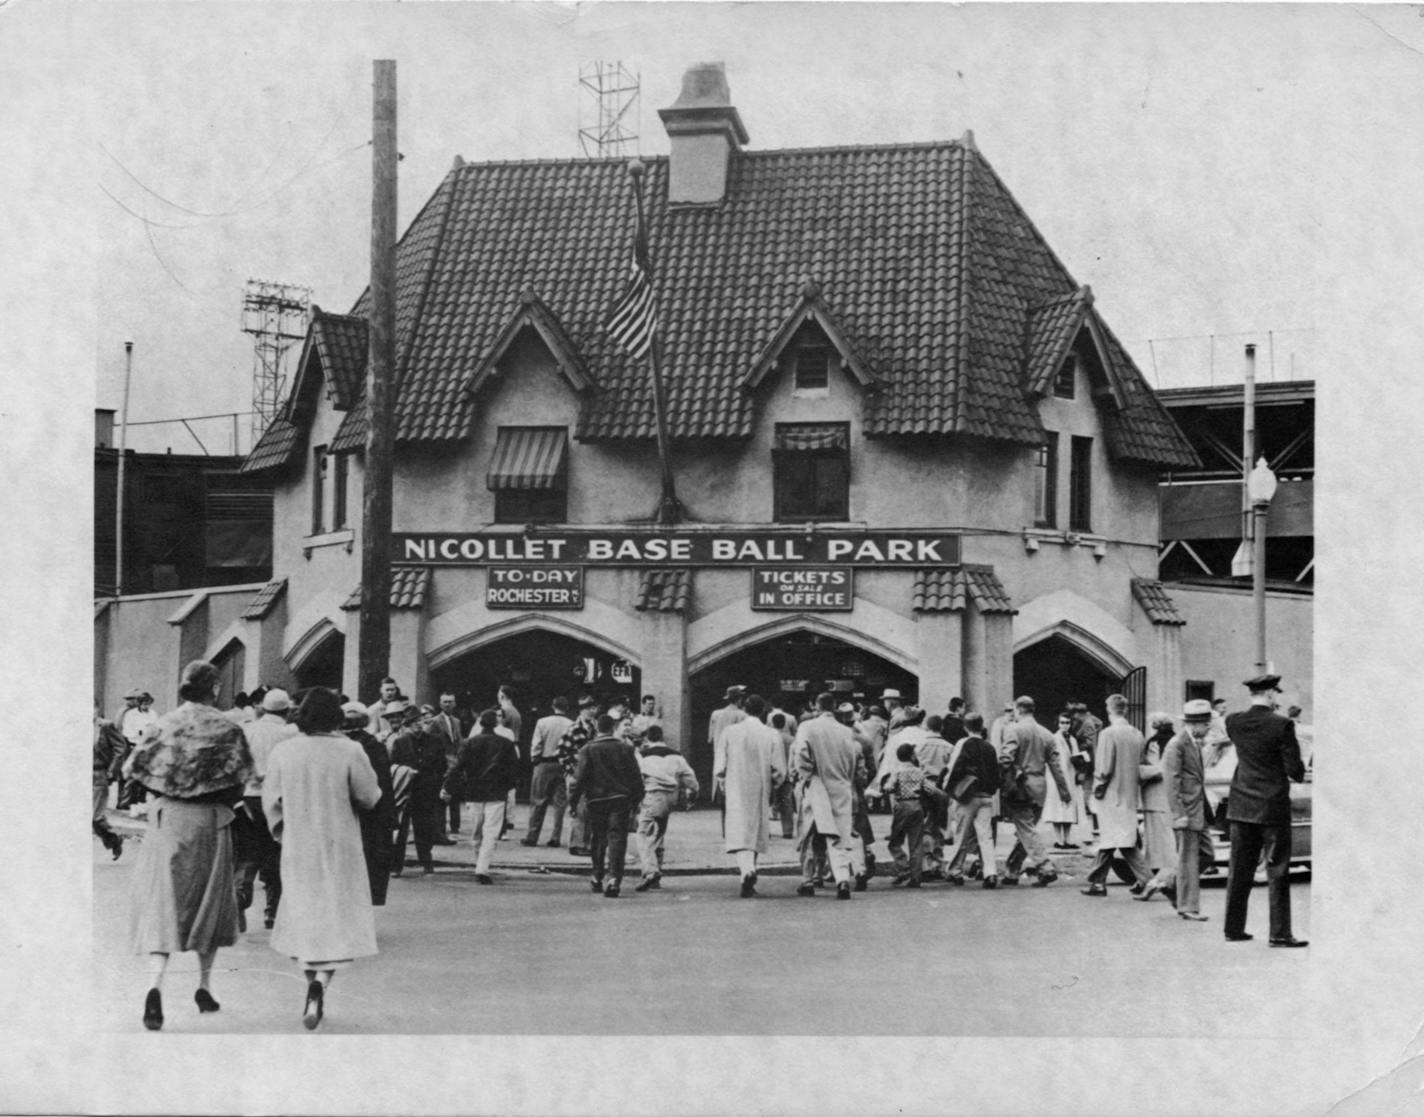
[(803, 577), (571, 579)]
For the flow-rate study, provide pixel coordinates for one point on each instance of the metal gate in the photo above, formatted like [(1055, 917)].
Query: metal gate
[(1133, 687)]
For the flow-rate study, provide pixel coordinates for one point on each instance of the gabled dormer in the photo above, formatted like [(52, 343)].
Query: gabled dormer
[(811, 346), (1067, 347), (532, 316)]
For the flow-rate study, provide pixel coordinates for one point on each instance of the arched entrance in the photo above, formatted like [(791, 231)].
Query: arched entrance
[(539, 664), (322, 666), (789, 669), (1055, 671), (230, 663)]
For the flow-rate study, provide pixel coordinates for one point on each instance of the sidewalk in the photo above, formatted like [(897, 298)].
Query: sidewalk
[(693, 847)]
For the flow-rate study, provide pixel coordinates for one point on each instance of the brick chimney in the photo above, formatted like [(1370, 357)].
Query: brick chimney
[(704, 129)]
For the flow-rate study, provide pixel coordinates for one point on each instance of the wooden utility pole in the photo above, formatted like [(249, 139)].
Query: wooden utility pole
[(374, 653), (123, 454)]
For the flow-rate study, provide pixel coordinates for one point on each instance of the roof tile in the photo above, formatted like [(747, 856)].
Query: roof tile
[(935, 274), (265, 600), (1156, 602), (663, 590), (409, 586)]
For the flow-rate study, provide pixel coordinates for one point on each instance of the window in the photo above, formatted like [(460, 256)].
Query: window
[(528, 475), (1080, 486), (1045, 495), (813, 364), (811, 464), (1063, 382), (338, 495), (1200, 688), (318, 487)]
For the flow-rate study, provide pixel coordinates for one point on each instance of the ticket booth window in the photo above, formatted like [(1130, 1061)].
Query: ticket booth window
[(811, 467)]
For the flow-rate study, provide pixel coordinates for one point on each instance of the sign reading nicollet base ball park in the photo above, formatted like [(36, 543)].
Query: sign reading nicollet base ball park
[(653, 547), (534, 587)]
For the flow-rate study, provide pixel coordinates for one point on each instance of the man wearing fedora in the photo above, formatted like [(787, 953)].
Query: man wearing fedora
[(256, 853), (1183, 776), (721, 718), (1258, 809)]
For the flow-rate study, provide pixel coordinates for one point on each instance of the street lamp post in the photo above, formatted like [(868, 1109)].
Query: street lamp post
[(1260, 487)]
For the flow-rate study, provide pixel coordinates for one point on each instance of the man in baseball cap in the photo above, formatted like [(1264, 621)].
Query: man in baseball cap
[(1258, 809)]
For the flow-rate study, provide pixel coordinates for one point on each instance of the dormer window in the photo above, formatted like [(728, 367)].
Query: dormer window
[(813, 368), (1063, 382)]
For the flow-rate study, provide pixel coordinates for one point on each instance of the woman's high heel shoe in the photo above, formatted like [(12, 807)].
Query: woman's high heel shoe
[(312, 1013), (153, 1010), (205, 1001)]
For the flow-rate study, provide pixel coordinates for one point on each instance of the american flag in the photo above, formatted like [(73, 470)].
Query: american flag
[(635, 317)]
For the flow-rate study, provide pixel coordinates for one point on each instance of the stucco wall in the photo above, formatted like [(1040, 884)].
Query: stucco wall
[(1219, 642), (141, 649)]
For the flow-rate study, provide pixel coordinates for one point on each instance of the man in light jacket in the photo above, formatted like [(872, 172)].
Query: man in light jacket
[(1117, 789)]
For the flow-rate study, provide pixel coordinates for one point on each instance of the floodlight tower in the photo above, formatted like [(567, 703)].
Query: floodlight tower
[(275, 314), (609, 114)]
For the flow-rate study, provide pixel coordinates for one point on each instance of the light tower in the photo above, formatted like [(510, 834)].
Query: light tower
[(275, 314), (609, 111)]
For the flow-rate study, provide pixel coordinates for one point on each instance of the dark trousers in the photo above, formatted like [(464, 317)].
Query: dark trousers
[(608, 830), (784, 800), (454, 805), (1247, 841), (256, 855), (422, 815), (907, 826)]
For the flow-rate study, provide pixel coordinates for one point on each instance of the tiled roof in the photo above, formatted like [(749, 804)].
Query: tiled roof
[(409, 585), (340, 341), (664, 591), (1051, 328), (949, 591), (927, 268), (938, 591), (1156, 602), (986, 591), (276, 448), (265, 600)]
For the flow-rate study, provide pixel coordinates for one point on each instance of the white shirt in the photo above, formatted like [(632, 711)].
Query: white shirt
[(262, 736)]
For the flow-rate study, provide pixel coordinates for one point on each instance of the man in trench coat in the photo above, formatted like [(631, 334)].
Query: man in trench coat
[(1117, 791)]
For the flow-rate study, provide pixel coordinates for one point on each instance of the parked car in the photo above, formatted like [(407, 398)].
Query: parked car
[(1218, 787)]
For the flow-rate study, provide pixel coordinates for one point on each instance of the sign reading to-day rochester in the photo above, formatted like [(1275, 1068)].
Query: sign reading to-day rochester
[(534, 587), (674, 548)]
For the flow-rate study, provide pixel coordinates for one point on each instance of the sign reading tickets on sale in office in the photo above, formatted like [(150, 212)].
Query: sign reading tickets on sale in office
[(534, 587), (815, 589)]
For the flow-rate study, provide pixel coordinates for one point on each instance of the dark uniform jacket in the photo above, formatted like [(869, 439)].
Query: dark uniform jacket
[(1267, 759)]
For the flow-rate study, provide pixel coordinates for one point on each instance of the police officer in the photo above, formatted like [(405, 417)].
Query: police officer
[(1258, 809)]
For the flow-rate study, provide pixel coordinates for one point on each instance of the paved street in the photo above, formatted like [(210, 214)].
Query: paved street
[(540, 954)]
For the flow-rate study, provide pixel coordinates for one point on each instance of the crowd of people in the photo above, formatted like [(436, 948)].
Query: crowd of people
[(317, 797)]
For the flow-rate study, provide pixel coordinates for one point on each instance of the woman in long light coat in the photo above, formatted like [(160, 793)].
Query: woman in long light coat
[(1159, 847), (194, 762), (752, 767), (316, 783), (1064, 816)]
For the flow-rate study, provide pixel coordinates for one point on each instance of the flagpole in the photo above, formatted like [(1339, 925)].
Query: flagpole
[(670, 509)]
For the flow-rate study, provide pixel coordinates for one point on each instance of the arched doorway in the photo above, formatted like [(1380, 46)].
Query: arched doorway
[(322, 666), (539, 664), (1055, 671), (789, 669)]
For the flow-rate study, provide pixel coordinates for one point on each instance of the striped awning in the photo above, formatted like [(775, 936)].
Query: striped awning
[(529, 458), (812, 436)]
